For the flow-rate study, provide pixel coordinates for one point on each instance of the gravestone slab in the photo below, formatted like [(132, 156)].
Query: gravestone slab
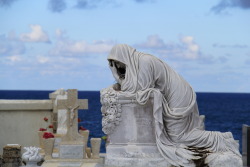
[(133, 142), (71, 151)]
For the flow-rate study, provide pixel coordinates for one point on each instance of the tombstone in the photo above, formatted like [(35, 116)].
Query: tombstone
[(246, 145), (72, 143), (131, 136), (12, 155)]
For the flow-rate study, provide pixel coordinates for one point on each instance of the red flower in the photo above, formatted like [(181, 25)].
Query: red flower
[(47, 135), (42, 129), (79, 120), (51, 126), (82, 128), (45, 119)]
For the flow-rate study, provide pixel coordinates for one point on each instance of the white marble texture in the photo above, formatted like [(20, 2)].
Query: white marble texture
[(172, 120)]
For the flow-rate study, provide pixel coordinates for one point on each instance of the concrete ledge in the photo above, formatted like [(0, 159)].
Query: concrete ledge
[(21, 105)]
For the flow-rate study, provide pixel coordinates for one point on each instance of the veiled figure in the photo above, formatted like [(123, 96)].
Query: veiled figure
[(179, 133)]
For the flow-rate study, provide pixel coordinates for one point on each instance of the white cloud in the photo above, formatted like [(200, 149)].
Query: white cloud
[(10, 46), (191, 48), (66, 47), (84, 47), (60, 34), (153, 41), (36, 35), (12, 60), (15, 58), (42, 59), (185, 49)]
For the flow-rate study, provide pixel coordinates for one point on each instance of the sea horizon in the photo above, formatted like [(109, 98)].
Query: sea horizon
[(224, 111), (103, 88)]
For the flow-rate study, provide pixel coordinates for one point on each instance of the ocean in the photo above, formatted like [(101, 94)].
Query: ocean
[(224, 111)]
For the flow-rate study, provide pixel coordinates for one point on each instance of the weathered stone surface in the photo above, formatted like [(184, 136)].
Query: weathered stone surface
[(70, 164), (85, 134), (72, 144), (84, 162), (132, 143), (72, 104), (58, 140), (12, 156), (225, 159), (95, 145), (136, 126), (20, 105), (71, 151)]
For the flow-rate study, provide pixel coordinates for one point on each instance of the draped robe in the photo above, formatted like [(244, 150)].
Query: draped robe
[(177, 122)]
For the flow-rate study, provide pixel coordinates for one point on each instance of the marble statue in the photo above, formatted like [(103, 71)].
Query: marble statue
[(178, 128)]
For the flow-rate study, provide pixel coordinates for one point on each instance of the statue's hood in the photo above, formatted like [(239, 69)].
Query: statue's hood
[(122, 53), (130, 57)]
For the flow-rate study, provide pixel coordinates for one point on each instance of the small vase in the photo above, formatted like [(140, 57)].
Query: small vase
[(95, 147), (40, 136), (48, 147)]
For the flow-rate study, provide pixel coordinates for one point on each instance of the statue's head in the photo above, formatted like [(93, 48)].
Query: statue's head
[(120, 68), (123, 63), (118, 61)]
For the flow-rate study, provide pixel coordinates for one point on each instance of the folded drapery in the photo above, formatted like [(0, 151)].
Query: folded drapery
[(180, 137)]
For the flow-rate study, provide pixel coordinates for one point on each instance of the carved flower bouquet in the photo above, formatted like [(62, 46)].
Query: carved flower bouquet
[(48, 142)]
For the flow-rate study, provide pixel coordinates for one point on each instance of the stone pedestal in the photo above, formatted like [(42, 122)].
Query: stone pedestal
[(12, 156), (133, 141)]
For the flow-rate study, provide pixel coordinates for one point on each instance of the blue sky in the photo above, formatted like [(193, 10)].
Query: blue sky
[(52, 44)]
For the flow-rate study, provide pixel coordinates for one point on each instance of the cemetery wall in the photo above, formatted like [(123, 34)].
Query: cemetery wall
[(20, 121)]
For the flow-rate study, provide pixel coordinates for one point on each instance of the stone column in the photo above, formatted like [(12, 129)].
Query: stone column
[(246, 145)]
